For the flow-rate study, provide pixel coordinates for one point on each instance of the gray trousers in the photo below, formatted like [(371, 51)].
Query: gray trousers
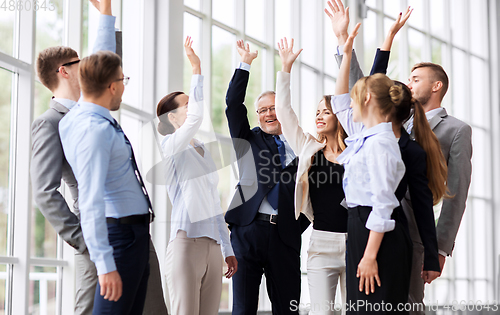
[(86, 282)]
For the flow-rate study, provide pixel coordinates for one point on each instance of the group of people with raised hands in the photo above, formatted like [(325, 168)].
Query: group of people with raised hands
[(383, 155)]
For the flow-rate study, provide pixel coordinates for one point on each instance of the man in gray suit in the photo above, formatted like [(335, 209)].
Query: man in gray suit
[(57, 69)]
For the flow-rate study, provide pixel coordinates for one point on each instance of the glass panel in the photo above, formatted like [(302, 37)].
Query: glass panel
[(254, 19), (223, 11), (192, 27), (308, 99), (416, 41), (417, 17), (7, 22), (459, 85), (282, 20), (330, 46), (277, 66), (49, 26), (481, 231), (329, 86), (85, 29), (437, 18), (457, 18), (478, 28), (371, 3), (6, 78), (393, 66), (132, 55), (392, 8), (195, 4), (438, 50), (369, 40), (308, 32), (42, 290), (481, 166), (223, 65), (3, 288), (479, 88)]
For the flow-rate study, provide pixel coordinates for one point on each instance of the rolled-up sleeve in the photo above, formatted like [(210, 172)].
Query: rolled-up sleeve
[(106, 37), (386, 169)]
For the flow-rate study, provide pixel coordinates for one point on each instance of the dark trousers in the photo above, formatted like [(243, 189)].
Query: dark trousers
[(130, 244), (394, 267), (259, 250)]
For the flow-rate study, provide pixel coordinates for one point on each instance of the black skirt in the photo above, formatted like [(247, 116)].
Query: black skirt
[(394, 266)]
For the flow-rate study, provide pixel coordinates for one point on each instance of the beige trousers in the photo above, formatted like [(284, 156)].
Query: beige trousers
[(194, 275)]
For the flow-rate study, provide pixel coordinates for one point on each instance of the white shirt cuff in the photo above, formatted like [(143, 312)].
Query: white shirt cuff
[(244, 66), (340, 50), (443, 253)]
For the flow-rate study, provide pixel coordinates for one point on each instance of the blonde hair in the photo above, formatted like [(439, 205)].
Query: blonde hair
[(382, 90)]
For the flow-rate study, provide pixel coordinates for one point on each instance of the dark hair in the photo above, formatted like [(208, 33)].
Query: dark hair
[(341, 134), (437, 170), (49, 60), (97, 71), (437, 74), (166, 105)]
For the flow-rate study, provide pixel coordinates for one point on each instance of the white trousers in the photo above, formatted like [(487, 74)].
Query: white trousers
[(194, 275), (326, 269)]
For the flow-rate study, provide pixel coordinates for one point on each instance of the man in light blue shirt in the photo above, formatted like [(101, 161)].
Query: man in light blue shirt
[(113, 201)]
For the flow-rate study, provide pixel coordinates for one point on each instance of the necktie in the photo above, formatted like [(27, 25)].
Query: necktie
[(273, 194), (136, 169)]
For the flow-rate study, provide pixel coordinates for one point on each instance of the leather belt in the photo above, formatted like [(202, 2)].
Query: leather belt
[(131, 219), (271, 218)]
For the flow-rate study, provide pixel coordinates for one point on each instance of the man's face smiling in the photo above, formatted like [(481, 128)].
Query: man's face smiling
[(267, 115)]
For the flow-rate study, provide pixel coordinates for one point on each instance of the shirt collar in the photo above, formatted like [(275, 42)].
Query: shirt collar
[(97, 109), (382, 127), (65, 102), (433, 112)]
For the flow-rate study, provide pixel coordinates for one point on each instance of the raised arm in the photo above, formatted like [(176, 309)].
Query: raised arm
[(106, 37), (382, 56), (284, 111), (342, 86), (236, 111), (178, 141)]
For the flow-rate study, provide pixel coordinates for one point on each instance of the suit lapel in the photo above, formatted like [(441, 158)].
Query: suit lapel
[(58, 107), (437, 118)]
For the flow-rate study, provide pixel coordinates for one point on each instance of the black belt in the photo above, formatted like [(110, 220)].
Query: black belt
[(131, 219), (271, 218)]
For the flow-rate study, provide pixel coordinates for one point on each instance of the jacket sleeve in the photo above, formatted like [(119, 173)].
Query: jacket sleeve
[(421, 201), (46, 173), (286, 116), (236, 111), (459, 177), (355, 72), (381, 62)]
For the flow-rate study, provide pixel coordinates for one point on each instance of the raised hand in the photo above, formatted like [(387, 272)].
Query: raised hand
[(350, 40), (193, 58), (103, 6), (287, 55), (339, 18), (246, 55), (394, 29)]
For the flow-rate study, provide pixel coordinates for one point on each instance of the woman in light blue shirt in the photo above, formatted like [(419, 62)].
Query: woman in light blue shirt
[(198, 230), (378, 247)]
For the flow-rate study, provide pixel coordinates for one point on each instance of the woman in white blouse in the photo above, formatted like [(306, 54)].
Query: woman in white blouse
[(198, 230), (318, 191), (379, 248)]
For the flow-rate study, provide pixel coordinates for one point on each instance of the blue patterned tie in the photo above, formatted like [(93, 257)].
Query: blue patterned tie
[(273, 194), (136, 169)]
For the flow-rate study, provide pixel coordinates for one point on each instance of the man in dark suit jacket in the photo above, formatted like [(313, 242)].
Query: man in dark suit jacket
[(265, 236)]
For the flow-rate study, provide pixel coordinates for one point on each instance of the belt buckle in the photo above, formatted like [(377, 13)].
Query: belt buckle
[(271, 218)]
